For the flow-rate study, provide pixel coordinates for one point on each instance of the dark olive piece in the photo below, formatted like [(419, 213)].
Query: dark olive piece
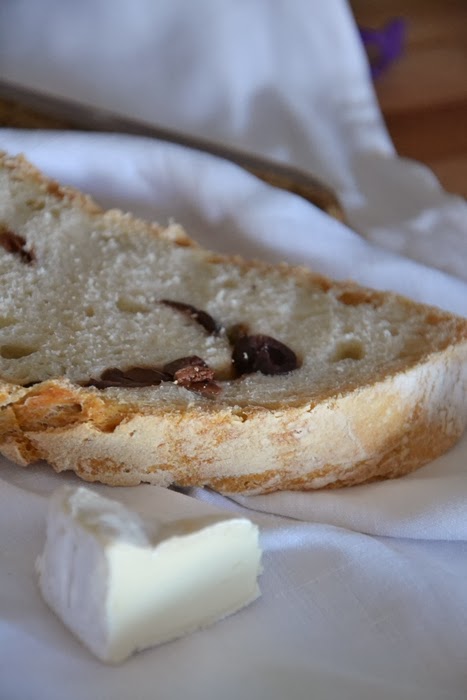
[(202, 317), (13, 243), (261, 353)]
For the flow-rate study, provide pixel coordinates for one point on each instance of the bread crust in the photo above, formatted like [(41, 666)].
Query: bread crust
[(378, 431), (410, 413)]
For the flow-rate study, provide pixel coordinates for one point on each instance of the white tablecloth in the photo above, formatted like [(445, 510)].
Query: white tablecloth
[(363, 589)]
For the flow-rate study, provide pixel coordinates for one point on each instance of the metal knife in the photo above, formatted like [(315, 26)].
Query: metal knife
[(25, 108)]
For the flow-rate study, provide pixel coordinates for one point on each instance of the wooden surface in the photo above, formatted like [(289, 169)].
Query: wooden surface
[(423, 96)]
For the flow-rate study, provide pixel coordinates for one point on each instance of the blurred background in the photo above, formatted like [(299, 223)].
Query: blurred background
[(423, 95)]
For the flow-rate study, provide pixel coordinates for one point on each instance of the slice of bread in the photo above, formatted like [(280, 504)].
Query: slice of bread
[(129, 354)]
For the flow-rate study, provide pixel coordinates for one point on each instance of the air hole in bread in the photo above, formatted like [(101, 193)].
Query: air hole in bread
[(59, 416), (90, 311), (35, 204), (349, 350), (55, 212), (6, 321), (241, 415), (131, 306), (63, 414), (15, 351), (230, 283), (433, 319), (355, 297)]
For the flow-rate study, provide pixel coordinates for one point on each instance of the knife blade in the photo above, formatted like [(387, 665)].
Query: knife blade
[(26, 108)]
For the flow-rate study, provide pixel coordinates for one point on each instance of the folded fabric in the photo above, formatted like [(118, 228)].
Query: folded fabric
[(429, 504), (227, 209), (287, 80), (342, 615)]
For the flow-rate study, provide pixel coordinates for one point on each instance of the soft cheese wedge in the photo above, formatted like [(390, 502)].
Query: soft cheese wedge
[(122, 584)]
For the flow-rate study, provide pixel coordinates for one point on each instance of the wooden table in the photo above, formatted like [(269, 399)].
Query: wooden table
[(423, 96)]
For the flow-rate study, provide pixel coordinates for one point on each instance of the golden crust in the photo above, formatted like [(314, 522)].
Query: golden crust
[(380, 431)]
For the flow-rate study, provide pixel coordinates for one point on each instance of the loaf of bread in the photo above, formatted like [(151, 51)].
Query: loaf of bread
[(129, 354)]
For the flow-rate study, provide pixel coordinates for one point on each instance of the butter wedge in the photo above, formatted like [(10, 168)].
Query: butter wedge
[(122, 583)]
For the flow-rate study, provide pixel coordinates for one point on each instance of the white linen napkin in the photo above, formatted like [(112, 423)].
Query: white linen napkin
[(363, 589), (287, 79), (342, 615)]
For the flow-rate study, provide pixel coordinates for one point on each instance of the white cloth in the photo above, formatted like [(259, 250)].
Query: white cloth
[(363, 589), (287, 79)]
